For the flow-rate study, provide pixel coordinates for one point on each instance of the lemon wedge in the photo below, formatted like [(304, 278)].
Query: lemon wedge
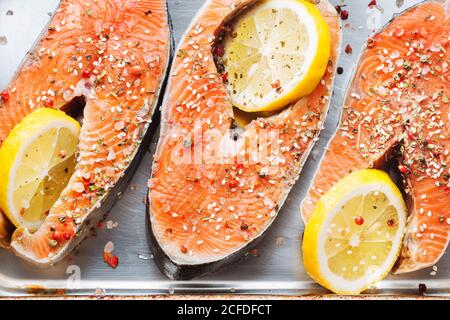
[(354, 235), (277, 53), (37, 160)]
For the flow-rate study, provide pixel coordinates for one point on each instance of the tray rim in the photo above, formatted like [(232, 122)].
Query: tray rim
[(303, 290), (207, 297), (136, 288)]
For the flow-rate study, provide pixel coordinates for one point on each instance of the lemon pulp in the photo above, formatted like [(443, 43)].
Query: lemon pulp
[(277, 54), (38, 158), (354, 235)]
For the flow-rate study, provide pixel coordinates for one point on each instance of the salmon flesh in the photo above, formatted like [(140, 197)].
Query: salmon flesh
[(397, 110), (214, 192), (110, 56)]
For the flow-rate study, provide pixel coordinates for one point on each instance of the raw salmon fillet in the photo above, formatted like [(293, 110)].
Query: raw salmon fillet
[(397, 107), (113, 55), (207, 211)]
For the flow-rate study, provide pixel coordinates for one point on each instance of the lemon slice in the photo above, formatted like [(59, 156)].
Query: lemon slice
[(354, 235), (277, 53), (37, 160)]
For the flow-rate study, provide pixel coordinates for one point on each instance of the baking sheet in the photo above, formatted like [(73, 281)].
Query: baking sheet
[(275, 268)]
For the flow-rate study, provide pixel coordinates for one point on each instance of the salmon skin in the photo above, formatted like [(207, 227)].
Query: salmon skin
[(397, 109), (6, 230), (206, 208), (111, 56)]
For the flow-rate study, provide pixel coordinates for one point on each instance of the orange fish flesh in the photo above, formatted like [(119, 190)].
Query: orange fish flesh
[(397, 109), (207, 208), (110, 55)]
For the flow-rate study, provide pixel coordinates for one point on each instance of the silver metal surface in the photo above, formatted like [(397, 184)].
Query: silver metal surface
[(277, 268)]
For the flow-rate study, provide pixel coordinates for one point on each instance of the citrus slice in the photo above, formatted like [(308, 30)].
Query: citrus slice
[(277, 53), (354, 235), (37, 160)]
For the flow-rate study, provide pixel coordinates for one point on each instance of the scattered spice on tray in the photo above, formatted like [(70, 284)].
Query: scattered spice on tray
[(60, 292), (3, 41), (344, 14), (422, 289), (279, 241), (100, 292), (111, 224), (254, 252), (109, 247), (111, 260), (108, 257), (348, 49), (434, 271), (143, 256)]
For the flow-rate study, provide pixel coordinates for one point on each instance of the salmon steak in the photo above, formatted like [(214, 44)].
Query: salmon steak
[(110, 58), (396, 117), (212, 195)]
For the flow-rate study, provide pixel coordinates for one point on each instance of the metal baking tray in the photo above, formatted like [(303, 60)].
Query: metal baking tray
[(276, 267)]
